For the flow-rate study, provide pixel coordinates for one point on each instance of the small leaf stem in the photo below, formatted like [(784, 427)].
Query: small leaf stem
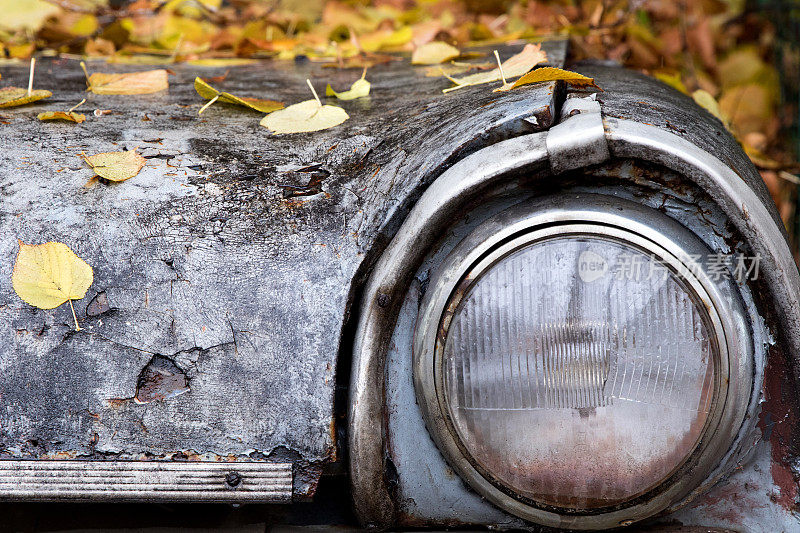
[(500, 67), (314, 92), (76, 106), (208, 104), (77, 327), (177, 48), (30, 76), (86, 73)]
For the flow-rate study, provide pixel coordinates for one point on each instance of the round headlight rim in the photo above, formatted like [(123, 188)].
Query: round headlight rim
[(558, 212), (615, 235)]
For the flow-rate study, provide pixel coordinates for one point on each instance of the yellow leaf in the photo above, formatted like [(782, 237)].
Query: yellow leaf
[(69, 116), (221, 62), (455, 68), (385, 39), (304, 117), (25, 14), (14, 96), (20, 51), (750, 107), (50, 274), (513, 67), (147, 82), (742, 65), (359, 89), (551, 74), (116, 166), (673, 79), (209, 93), (84, 25), (710, 104), (760, 159), (434, 53)]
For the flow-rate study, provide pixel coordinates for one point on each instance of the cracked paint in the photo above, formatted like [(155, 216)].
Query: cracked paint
[(233, 255)]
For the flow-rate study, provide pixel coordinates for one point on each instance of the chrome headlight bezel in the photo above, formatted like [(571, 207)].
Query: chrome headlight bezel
[(608, 217)]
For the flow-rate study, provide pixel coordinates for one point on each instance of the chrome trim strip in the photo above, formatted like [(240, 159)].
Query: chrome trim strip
[(75, 480), (383, 295), (578, 141), (627, 138)]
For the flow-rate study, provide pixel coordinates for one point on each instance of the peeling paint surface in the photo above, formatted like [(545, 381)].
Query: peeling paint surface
[(225, 270)]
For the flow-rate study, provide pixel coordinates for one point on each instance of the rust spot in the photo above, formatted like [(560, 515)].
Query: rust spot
[(161, 379), (333, 448), (313, 185), (777, 421), (116, 403)]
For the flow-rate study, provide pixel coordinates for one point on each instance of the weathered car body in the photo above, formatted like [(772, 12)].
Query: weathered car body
[(252, 315)]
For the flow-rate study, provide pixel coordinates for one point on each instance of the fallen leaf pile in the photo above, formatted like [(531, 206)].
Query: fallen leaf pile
[(726, 55), (49, 275), (723, 48)]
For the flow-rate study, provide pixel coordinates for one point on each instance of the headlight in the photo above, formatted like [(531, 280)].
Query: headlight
[(576, 367)]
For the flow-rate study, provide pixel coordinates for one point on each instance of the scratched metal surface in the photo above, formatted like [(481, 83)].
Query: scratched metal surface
[(225, 270)]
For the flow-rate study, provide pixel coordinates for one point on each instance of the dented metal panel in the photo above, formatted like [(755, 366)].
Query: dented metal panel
[(224, 271)]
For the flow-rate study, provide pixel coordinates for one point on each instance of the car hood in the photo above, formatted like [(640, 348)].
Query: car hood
[(224, 272)]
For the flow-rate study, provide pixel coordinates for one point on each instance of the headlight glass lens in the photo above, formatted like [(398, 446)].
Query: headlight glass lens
[(577, 371)]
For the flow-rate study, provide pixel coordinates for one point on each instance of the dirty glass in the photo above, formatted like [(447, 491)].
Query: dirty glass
[(579, 372)]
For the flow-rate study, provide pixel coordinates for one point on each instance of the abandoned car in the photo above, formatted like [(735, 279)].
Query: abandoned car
[(557, 307)]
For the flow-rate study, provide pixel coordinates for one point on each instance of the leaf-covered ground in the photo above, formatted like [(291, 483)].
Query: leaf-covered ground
[(717, 51)]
